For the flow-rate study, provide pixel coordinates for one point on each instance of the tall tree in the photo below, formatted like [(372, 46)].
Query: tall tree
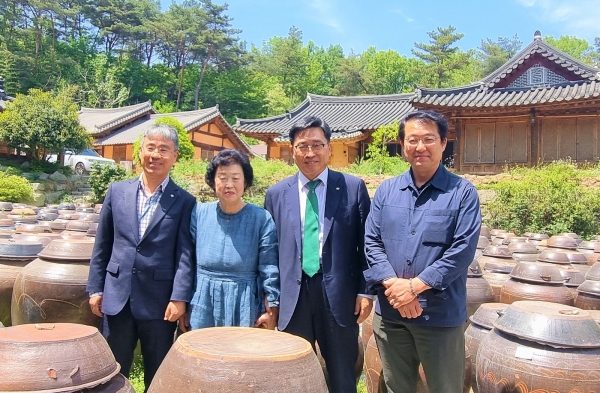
[(440, 54), (578, 48), (493, 54)]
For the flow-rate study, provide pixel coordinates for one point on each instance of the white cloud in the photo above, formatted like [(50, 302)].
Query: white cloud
[(406, 18), (579, 18), (325, 10)]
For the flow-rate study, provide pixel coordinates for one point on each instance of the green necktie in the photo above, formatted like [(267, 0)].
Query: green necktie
[(310, 244)]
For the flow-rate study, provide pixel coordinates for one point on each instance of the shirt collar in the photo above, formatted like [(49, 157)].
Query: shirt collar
[(439, 180), (323, 177), (161, 187)]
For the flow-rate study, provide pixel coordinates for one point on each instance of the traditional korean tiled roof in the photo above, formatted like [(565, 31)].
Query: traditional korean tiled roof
[(537, 46), (190, 120), (97, 121), (348, 117), (481, 97), (484, 93)]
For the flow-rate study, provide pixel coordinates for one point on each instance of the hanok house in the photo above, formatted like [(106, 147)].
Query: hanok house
[(352, 121), (208, 130), (542, 105)]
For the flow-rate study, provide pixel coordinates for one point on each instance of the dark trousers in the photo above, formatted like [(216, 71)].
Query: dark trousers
[(122, 332), (402, 346), (314, 321)]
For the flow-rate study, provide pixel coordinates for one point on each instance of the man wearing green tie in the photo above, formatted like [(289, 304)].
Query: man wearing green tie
[(320, 218)]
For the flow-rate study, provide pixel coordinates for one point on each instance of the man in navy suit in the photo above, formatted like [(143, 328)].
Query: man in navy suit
[(320, 218), (142, 271)]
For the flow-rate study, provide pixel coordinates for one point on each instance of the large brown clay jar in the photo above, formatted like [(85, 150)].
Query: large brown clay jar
[(240, 360), (540, 347), (374, 368), (52, 287), (588, 295), (118, 384), (479, 290), (481, 324), (367, 326)]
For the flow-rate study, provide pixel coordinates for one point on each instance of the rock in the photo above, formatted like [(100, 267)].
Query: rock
[(38, 186), (53, 197), (26, 165), (60, 187), (28, 176), (43, 176), (39, 199), (57, 176)]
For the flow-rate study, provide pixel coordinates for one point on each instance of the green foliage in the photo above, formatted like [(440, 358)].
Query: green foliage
[(578, 48), (42, 166), (377, 150), (494, 54), (393, 166), (186, 148), (547, 199), (102, 175), (15, 188), (249, 140), (42, 123)]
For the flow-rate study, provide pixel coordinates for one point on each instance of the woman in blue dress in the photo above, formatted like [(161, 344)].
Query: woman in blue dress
[(237, 273)]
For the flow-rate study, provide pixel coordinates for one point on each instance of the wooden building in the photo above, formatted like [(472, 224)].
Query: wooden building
[(115, 130), (540, 106), (352, 120)]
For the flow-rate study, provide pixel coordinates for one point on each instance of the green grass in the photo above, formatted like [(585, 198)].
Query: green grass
[(136, 376)]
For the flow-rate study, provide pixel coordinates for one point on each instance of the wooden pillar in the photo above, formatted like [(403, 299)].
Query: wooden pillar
[(457, 143), (535, 139)]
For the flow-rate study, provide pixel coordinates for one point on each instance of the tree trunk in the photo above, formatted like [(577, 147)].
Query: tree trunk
[(204, 67)]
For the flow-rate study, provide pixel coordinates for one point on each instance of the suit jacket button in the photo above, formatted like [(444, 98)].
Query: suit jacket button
[(138, 249), (298, 282), (133, 270)]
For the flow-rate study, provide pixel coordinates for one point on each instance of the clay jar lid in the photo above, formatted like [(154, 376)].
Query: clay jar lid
[(6, 206), (474, 269), (496, 232), (595, 314), (562, 242), (590, 287), (61, 357), (515, 239), (570, 234), (576, 257), (587, 245), (573, 277), (552, 324), (538, 236), (6, 222), (522, 248), (551, 256), (92, 217), (57, 225), (44, 238), (482, 243), (19, 250), (594, 272), (68, 250), (504, 266), (486, 314), (66, 206), (497, 251), (32, 228), (485, 231), (537, 272), (93, 229), (68, 216), (78, 225), (85, 210), (47, 216), (74, 235), (25, 211)]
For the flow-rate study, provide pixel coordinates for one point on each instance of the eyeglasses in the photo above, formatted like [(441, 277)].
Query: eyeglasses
[(162, 151), (316, 148), (427, 140)]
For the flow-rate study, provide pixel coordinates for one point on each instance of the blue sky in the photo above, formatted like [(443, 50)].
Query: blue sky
[(397, 25)]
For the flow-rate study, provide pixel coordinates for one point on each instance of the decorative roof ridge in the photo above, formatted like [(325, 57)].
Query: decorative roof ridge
[(203, 112), (140, 109), (301, 106), (420, 91), (315, 98), (531, 49)]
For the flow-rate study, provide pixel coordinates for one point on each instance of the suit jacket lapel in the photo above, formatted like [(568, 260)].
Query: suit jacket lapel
[(335, 188), (292, 201), (169, 196), (130, 203)]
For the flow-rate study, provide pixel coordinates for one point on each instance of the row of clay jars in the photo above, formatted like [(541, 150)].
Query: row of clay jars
[(497, 263), (588, 293)]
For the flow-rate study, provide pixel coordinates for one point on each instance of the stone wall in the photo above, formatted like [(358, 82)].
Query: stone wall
[(51, 188)]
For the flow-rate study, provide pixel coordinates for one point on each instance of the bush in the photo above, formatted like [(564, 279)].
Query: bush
[(102, 175), (15, 189), (393, 166), (548, 199), (186, 148)]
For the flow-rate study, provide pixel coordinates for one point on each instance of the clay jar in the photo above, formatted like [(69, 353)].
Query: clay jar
[(235, 359), (588, 295), (536, 238), (485, 231), (523, 251), (536, 281), (481, 323), (52, 287), (118, 384), (479, 290), (14, 255), (540, 347), (54, 358), (497, 259)]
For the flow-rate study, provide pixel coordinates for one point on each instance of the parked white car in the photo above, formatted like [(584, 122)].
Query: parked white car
[(82, 162)]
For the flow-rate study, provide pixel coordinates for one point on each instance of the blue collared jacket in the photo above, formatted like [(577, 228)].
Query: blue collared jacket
[(431, 234)]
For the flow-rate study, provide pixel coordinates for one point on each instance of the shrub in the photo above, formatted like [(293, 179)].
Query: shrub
[(186, 148), (548, 199), (15, 189), (393, 166), (102, 175)]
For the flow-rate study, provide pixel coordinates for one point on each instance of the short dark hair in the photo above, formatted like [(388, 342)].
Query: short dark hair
[(228, 157), (309, 122), (426, 115)]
